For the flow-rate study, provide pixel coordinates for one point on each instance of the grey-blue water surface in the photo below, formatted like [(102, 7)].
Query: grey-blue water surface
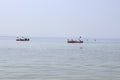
[(55, 59)]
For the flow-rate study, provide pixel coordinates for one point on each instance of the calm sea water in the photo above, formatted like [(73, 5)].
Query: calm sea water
[(54, 59)]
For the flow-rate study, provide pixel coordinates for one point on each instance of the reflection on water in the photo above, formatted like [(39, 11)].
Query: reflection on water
[(54, 59)]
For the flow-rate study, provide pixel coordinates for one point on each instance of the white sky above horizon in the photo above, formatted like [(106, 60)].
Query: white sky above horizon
[(60, 18)]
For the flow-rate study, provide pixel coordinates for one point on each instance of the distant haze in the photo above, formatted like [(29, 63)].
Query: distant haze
[(60, 18)]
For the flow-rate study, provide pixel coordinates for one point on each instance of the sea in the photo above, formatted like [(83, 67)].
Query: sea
[(55, 59)]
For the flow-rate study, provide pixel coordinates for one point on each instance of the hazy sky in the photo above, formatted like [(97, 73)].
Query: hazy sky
[(60, 18)]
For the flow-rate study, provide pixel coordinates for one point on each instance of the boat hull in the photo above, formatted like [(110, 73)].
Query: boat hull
[(74, 41), (22, 40)]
